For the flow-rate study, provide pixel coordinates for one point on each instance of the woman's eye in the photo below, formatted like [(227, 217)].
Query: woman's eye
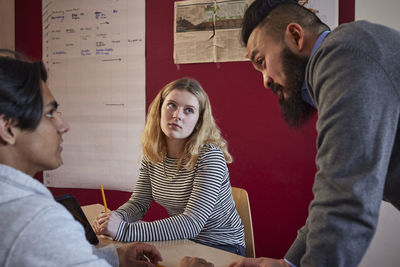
[(171, 105), (189, 110)]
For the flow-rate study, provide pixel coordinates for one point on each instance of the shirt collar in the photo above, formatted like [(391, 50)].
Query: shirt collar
[(305, 94)]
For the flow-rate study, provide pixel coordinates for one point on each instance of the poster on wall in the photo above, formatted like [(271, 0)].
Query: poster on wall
[(94, 51), (209, 30)]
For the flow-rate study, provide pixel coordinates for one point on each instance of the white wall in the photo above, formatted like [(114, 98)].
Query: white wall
[(384, 250), (385, 12), (7, 22)]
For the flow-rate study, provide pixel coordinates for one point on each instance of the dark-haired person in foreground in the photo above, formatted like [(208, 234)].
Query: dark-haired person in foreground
[(35, 230), (351, 77)]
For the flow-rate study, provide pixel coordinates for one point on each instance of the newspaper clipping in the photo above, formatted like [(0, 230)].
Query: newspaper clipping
[(209, 30)]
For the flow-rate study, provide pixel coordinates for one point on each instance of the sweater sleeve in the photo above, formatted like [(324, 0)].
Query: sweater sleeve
[(62, 243), (206, 185), (298, 247), (357, 116)]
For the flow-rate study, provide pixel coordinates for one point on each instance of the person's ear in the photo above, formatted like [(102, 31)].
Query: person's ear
[(8, 132), (294, 36)]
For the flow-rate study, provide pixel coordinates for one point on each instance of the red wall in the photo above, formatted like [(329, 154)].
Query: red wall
[(274, 163)]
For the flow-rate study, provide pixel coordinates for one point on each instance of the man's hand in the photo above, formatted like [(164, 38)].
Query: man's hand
[(260, 262), (138, 254), (106, 223), (194, 262)]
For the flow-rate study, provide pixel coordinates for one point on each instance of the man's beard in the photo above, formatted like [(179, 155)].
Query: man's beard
[(295, 111)]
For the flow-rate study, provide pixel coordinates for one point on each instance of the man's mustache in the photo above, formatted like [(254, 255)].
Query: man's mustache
[(276, 87)]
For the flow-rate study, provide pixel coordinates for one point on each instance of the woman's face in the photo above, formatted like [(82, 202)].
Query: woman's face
[(179, 114)]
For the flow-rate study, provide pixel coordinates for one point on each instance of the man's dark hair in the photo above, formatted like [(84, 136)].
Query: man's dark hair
[(21, 99), (277, 14), (4, 52), (256, 13)]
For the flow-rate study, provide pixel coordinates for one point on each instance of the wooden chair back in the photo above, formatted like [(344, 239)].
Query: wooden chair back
[(241, 199)]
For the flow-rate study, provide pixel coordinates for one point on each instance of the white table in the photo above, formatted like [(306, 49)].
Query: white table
[(172, 251)]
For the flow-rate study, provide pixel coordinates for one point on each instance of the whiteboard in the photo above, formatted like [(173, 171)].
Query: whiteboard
[(94, 51)]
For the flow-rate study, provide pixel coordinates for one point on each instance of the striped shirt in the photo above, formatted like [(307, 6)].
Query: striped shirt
[(199, 203)]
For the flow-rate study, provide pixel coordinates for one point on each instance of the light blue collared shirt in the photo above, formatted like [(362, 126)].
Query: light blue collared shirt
[(304, 91), (291, 264)]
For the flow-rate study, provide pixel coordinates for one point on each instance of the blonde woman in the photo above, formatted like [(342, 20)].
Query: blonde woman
[(184, 170)]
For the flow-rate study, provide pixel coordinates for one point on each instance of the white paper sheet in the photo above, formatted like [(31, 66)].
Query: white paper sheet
[(95, 54)]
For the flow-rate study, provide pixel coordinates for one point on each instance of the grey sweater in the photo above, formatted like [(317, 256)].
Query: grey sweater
[(354, 80), (37, 231)]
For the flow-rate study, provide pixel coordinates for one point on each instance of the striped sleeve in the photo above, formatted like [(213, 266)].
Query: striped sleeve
[(138, 204)]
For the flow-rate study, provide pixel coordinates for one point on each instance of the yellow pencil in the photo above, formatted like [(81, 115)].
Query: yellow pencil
[(104, 198)]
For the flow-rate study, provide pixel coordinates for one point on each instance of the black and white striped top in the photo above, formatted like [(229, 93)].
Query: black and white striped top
[(199, 203)]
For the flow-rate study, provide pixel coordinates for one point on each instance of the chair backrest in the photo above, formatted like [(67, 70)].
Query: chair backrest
[(241, 199)]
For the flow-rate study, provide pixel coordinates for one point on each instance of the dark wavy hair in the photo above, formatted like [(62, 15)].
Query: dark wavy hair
[(21, 99), (256, 13), (275, 15)]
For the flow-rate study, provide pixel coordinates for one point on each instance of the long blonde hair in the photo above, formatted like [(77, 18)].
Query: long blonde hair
[(206, 131)]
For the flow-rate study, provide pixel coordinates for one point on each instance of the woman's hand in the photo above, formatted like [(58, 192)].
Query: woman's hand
[(106, 223)]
